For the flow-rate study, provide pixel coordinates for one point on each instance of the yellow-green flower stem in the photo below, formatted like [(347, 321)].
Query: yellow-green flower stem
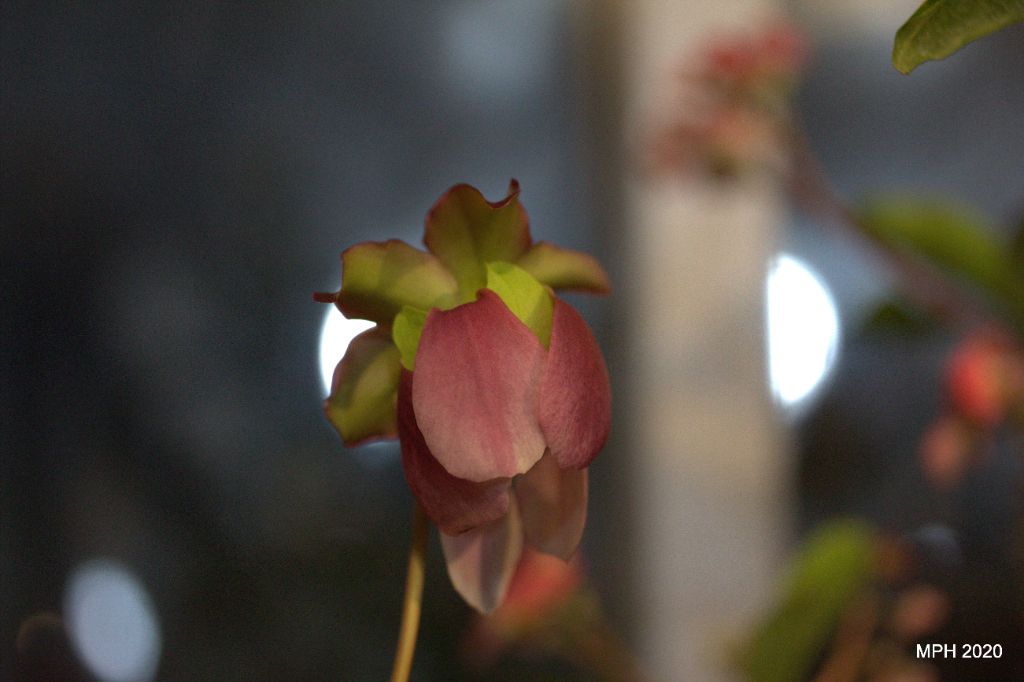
[(413, 597)]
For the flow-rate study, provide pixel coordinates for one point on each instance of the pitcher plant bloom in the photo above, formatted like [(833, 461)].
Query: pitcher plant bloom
[(495, 387)]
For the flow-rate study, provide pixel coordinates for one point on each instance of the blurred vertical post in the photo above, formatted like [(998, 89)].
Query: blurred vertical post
[(696, 437)]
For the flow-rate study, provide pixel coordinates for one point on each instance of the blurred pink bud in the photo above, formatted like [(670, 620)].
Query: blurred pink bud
[(778, 51), (541, 585), (977, 379), (945, 451), (734, 60), (919, 611), (743, 137), (894, 559), (782, 49)]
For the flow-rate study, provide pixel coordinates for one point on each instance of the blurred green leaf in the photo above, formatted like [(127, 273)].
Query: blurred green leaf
[(956, 240), (941, 27), (898, 316), (825, 577)]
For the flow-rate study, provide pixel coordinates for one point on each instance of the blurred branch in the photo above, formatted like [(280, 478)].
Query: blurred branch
[(924, 284), (852, 642)]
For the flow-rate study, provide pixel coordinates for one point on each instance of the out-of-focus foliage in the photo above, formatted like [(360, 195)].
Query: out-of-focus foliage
[(857, 601), (941, 27), (825, 576), (954, 239)]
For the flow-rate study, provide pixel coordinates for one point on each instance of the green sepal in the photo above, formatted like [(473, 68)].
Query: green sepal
[(378, 278), (528, 299), (561, 268), (465, 231), (941, 27), (406, 331), (364, 391)]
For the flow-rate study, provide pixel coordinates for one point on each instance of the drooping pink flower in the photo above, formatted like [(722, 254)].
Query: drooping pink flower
[(496, 387)]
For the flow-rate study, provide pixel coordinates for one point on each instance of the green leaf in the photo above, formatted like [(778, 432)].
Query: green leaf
[(941, 27), (465, 231), (406, 332), (564, 269), (527, 298), (953, 238), (364, 391), (826, 575), (378, 278)]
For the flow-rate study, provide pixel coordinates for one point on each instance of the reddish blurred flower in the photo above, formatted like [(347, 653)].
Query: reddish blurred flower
[(730, 142), (983, 376), (778, 52), (739, 119), (919, 611), (977, 378), (541, 586), (946, 451)]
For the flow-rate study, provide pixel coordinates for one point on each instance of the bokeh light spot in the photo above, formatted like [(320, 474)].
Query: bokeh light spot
[(803, 331), (335, 335), (112, 622)]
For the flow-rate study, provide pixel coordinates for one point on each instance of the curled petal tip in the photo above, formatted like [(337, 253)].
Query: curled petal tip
[(513, 192), (481, 561), (465, 231)]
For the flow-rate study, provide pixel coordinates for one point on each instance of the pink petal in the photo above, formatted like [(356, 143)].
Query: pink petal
[(477, 375), (575, 396), (453, 504), (553, 504), (481, 561)]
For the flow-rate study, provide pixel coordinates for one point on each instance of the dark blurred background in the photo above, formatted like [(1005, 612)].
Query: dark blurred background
[(175, 182), (949, 132)]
